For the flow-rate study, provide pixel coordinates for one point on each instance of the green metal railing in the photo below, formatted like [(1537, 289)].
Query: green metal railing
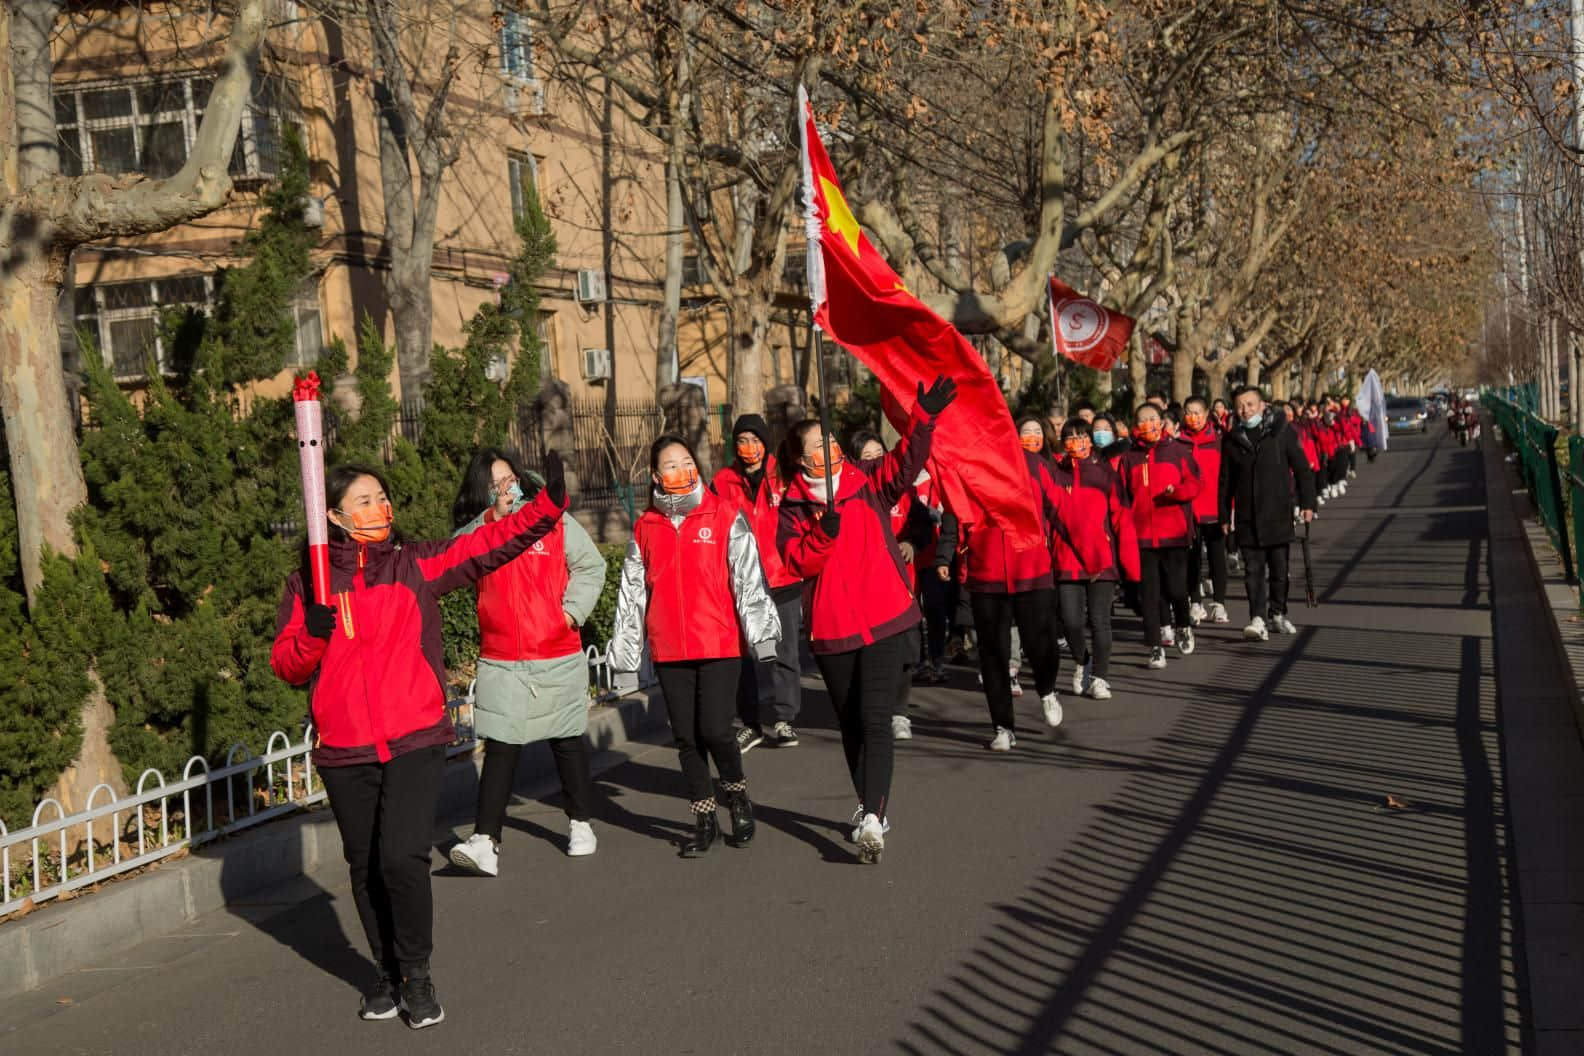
[(1535, 441)]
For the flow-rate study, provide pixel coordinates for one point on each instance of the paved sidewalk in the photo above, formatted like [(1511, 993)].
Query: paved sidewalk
[(1204, 864)]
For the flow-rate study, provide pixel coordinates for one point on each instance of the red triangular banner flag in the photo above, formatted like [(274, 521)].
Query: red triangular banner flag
[(1085, 332)]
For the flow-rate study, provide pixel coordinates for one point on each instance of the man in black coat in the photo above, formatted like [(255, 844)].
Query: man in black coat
[(1263, 476)]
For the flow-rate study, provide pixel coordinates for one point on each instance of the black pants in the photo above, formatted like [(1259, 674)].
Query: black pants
[(500, 777), (698, 698), (904, 687), (1336, 469), (1088, 604), (1211, 542), (1266, 600), (1164, 575), (939, 600), (863, 686), (1034, 612), (772, 691), (386, 815)]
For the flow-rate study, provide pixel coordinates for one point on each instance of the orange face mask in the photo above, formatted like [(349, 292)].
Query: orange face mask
[(1195, 420), (1034, 443), (1148, 431), (816, 461), (370, 524), (750, 450), (1078, 446), (678, 481)]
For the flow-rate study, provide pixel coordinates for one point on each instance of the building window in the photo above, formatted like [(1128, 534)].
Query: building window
[(522, 170), (545, 325), (151, 126), (310, 324), (124, 319), (516, 46)]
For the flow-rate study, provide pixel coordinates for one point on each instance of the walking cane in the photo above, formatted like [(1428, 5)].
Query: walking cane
[(1309, 588)]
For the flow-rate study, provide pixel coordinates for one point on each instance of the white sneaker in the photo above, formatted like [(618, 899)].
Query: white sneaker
[(1206, 587), (1196, 614), (478, 855), (1255, 631), (1168, 636), (581, 840), (1282, 624), (1185, 640), (1051, 704), (870, 840), (857, 824), (1342, 488), (1099, 689), (901, 728), (1017, 687), (1218, 613), (1080, 679), (1157, 658), (1003, 740)]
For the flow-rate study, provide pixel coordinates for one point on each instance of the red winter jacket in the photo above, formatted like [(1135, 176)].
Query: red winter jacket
[(1352, 425), (763, 510), (1093, 535), (1329, 438), (1162, 520), (520, 607), (1206, 446), (691, 613), (1309, 440), (993, 567), (856, 589), (377, 686)]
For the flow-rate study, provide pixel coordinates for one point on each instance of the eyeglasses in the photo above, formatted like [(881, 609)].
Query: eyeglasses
[(504, 482)]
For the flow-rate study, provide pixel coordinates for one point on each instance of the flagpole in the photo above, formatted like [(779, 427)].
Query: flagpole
[(824, 412)]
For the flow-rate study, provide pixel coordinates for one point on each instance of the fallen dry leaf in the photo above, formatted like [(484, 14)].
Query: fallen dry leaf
[(1393, 803), (63, 1000)]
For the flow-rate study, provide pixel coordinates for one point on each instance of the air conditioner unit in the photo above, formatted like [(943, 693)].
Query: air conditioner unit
[(590, 286), (596, 364)]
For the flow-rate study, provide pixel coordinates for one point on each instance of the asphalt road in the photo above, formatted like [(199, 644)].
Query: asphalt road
[(1203, 864)]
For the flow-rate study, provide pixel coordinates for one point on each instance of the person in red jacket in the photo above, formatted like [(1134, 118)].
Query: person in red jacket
[(532, 682), (858, 599), (1353, 431), (1093, 544), (769, 694), (1203, 436), (1008, 588), (376, 686), (693, 585), (915, 535), (1221, 414), (1161, 480)]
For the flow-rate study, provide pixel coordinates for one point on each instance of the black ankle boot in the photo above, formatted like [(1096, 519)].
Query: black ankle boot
[(742, 819), (706, 831)]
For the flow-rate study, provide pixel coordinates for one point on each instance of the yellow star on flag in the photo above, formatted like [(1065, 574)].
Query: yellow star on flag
[(841, 219)]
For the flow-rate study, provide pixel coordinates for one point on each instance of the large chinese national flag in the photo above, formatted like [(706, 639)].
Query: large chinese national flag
[(862, 304), (1085, 332)]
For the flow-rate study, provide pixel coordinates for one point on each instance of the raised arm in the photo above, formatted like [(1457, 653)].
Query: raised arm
[(447, 564), (894, 473), (756, 610)]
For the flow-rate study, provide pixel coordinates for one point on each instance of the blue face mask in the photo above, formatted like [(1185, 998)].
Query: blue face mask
[(1102, 438), (515, 491), (1253, 421)]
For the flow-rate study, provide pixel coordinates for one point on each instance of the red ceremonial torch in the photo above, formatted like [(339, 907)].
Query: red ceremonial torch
[(310, 452)]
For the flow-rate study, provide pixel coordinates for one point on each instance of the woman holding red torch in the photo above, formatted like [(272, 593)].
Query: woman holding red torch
[(369, 651)]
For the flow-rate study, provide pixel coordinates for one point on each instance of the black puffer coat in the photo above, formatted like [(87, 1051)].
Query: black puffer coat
[(1263, 476)]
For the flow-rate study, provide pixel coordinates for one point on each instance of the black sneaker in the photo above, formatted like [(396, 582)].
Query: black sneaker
[(379, 999), (782, 735), (748, 738), (419, 1002)]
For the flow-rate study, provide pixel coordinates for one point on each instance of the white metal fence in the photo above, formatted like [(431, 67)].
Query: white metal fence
[(60, 852)]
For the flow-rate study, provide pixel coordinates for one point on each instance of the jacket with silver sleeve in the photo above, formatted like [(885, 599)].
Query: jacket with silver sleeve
[(692, 584)]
